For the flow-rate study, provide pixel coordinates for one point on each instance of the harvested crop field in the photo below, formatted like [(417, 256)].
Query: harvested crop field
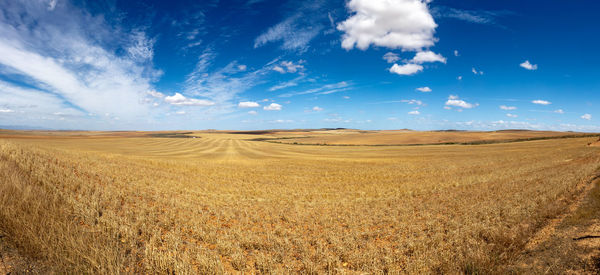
[(407, 137), (226, 203)]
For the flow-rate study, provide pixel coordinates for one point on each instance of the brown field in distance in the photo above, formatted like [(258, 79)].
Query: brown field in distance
[(224, 202), (407, 137)]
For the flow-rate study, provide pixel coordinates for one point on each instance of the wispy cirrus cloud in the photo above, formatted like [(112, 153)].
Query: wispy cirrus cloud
[(471, 16), (222, 85), (412, 102), (323, 90), (31, 104), (299, 28), (77, 58), (288, 84), (291, 33)]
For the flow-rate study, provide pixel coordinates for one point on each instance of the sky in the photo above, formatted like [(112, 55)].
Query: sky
[(287, 64)]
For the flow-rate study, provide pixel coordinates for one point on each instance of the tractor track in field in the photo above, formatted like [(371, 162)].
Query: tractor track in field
[(567, 243)]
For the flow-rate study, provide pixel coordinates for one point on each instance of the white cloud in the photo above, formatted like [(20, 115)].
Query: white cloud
[(273, 107), (391, 57), (180, 100), (455, 101), (512, 115), (6, 111), (248, 104), (507, 108), (289, 67), (395, 24), (406, 69), (459, 77), (253, 113), (428, 56), (414, 113), (587, 117), (242, 68), (317, 109), (476, 72), (345, 97), (456, 53), (52, 5), (293, 68), (559, 111), (180, 113), (279, 69), (528, 66), (541, 102), (424, 89)]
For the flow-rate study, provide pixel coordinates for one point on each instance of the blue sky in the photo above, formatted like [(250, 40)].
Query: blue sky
[(266, 64)]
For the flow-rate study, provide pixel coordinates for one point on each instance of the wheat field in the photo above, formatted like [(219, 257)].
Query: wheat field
[(225, 203), (408, 137)]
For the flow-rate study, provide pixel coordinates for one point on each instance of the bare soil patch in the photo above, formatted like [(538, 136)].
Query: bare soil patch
[(13, 262)]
